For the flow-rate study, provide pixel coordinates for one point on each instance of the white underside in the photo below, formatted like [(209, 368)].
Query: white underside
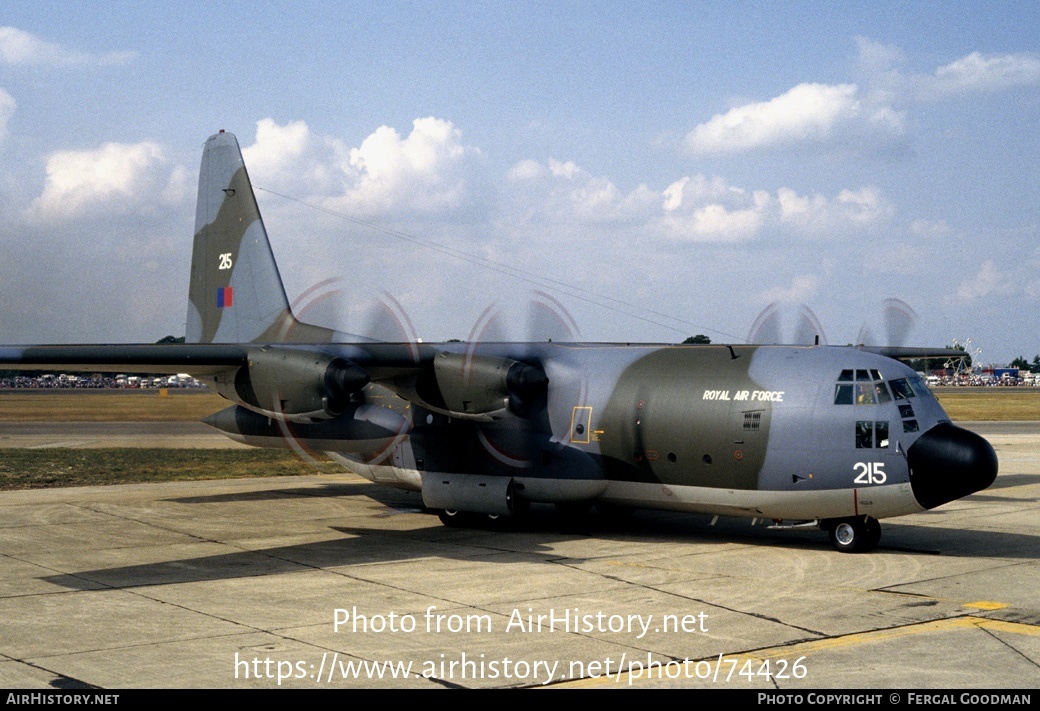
[(879, 502)]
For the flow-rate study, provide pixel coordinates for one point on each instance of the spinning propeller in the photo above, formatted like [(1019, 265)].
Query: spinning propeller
[(787, 323), (796, 324), (898, 320)]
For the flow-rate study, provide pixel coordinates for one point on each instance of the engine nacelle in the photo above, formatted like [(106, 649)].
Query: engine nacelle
[(296, 385), (479, 387), (361, 429)]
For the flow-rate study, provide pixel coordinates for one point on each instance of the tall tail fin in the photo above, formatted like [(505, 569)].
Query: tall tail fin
[(236, 293)]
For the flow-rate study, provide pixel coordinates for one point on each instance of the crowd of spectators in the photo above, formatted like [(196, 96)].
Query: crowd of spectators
[(983, 380)]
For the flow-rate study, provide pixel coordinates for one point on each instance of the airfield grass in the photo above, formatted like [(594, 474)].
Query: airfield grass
[(108, 406), (52, 468), (990, 404), (47, 468), (61, 467)]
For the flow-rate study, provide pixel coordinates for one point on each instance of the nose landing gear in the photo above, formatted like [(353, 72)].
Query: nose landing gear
[(858, 534)]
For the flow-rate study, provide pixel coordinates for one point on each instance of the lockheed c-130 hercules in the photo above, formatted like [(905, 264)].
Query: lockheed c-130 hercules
[(816, 436)]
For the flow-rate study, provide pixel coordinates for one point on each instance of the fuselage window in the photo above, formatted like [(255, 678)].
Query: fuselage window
[(864, 435), (881, 434), (871, 435), (909, 425)]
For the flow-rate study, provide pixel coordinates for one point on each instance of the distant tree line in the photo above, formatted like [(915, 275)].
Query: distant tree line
[(1021, 364)]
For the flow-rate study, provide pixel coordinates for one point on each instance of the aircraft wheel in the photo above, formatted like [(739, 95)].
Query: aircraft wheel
[(454, 518), (860, 534), (497, 522), (466, 519)]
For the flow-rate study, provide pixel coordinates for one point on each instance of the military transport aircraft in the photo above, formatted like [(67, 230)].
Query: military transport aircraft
[(815, 436)]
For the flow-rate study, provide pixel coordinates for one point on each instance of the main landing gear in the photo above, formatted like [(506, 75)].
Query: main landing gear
[(494, 522), (857, 534)]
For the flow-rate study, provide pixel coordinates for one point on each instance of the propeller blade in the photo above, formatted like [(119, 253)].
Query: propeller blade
[(548, 320), (766, 328), (897, 321), (793, 324), (808, 331), (388, 321), (900, 320)]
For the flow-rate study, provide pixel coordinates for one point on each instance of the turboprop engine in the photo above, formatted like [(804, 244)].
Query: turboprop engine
[(480, 388), (294, 385)]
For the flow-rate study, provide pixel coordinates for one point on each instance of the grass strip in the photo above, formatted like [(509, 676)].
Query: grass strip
[(54, 468)]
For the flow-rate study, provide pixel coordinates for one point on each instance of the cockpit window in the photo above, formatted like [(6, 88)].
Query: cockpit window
[(864, 394), (863, 387), (901, 389), (882, 392), (920, 387)]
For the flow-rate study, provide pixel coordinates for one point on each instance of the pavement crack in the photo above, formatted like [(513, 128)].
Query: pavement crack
[(672, 593), (1010, 646)]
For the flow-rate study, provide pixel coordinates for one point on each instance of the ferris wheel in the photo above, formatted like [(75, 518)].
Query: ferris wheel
[(964, 365)]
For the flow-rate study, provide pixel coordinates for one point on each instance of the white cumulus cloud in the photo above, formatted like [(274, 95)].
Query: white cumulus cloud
[(562, 192), (973, 73), (701, 209), (116, 176), (20, 47), (979, 72), (818, 214), (292, 158), (429, 170), (807, 114)]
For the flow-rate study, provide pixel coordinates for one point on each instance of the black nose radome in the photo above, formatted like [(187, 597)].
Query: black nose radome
[(948, 462)]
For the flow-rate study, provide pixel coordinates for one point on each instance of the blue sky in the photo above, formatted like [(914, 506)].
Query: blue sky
[(658, 169)]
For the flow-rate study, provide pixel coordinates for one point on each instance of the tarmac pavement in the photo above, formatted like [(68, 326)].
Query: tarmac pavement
[(333, 582)]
